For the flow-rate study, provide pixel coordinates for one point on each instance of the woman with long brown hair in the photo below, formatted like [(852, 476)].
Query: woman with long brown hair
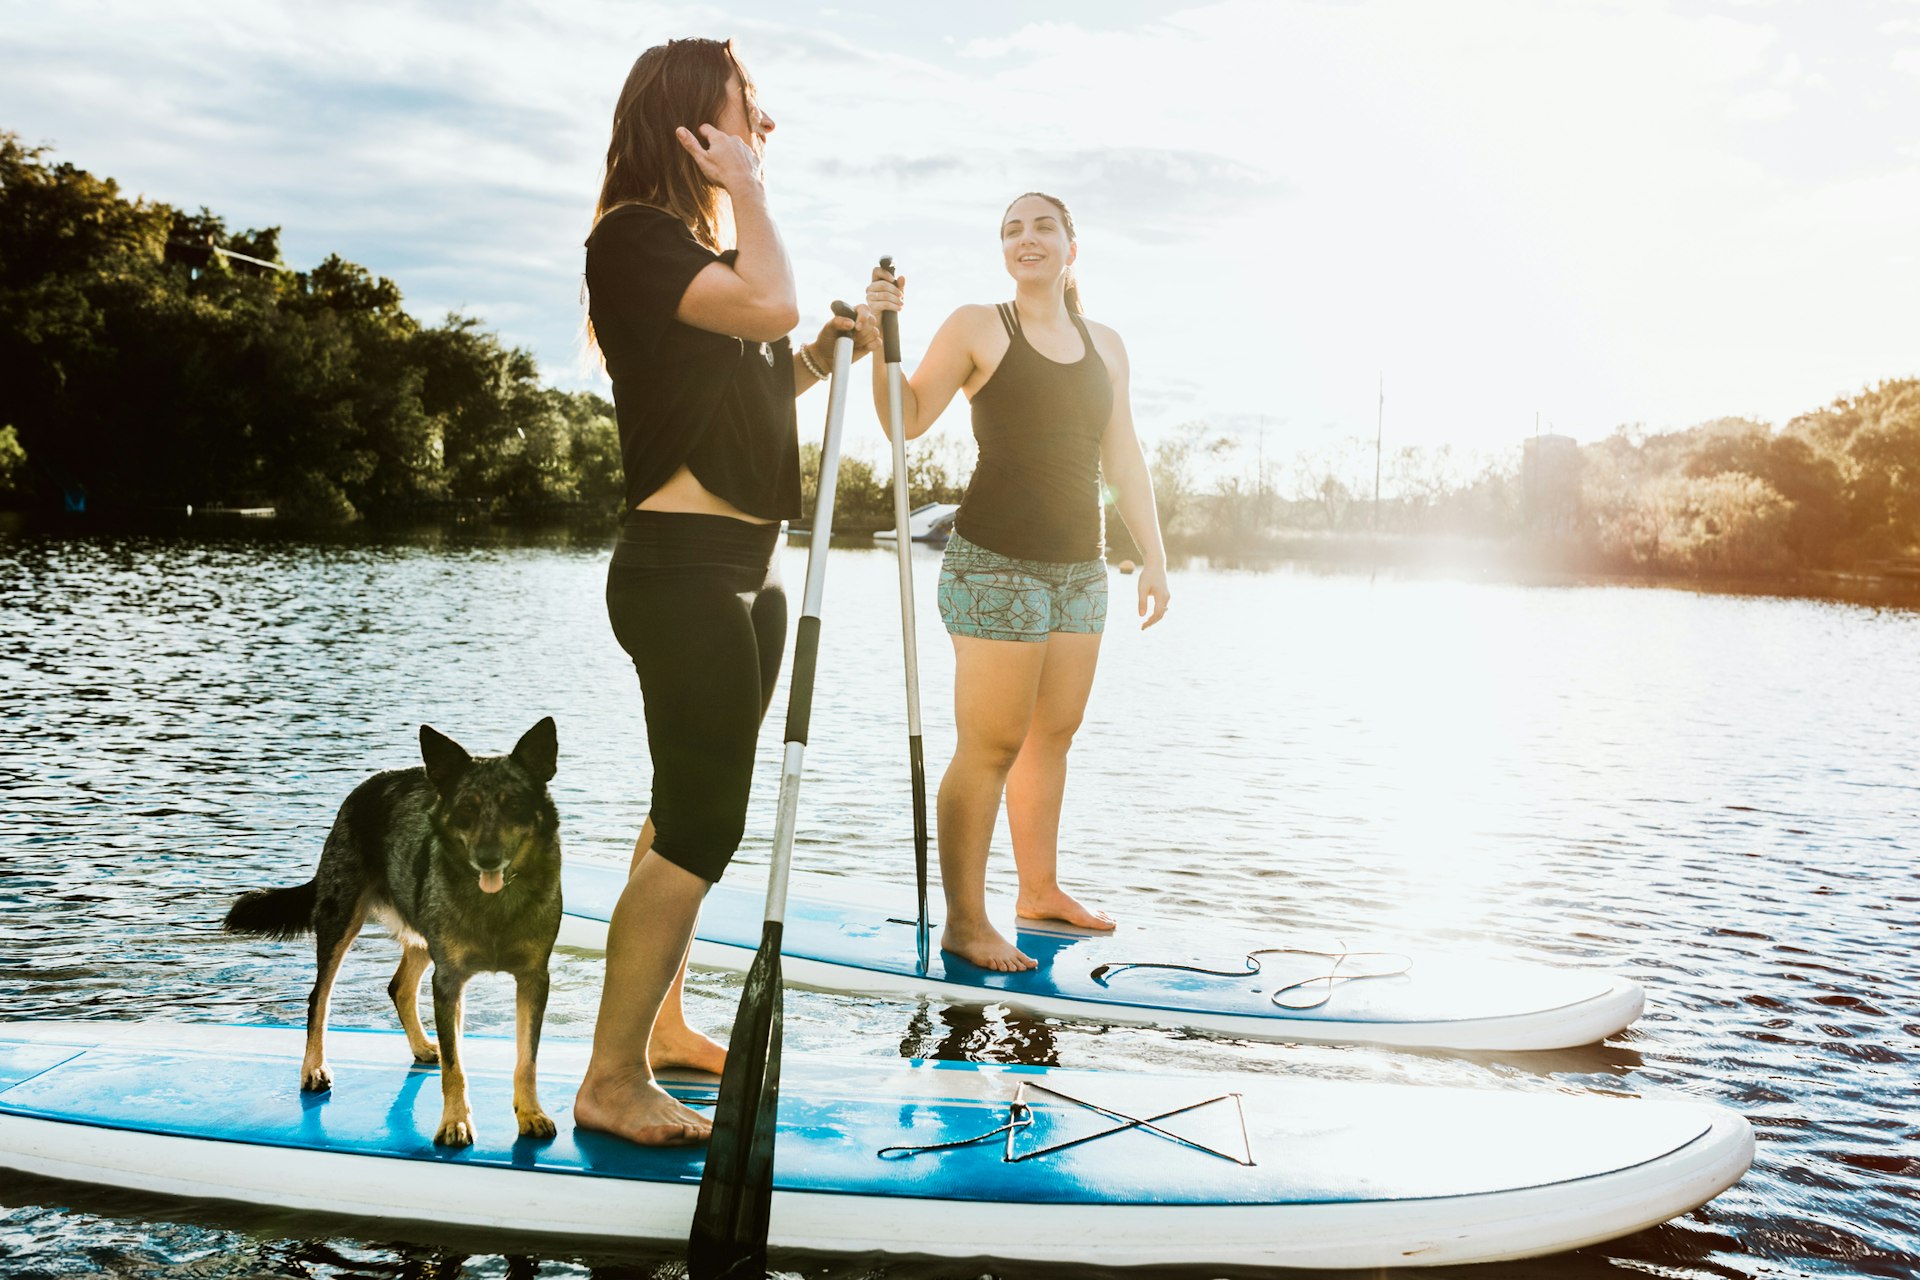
[(1023, 586), (690, 300)]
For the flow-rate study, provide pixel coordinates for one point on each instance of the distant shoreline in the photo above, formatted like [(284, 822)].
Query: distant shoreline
[(1508, 560), (1895, 583)]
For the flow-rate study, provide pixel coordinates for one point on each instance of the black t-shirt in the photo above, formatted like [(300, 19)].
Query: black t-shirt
[(721, 406)]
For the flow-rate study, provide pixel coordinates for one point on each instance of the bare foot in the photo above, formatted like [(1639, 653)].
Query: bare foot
[(987, 948), (685, 1047), (635, 1108), (1058, 904)]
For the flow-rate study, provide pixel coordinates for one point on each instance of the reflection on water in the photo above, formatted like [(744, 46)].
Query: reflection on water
[(1713, 794), (980, 1033)]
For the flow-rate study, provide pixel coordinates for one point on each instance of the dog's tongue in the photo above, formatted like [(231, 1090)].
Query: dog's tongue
[(492, 881)]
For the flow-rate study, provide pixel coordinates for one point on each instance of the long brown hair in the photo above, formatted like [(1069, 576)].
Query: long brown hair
[(679, 84), (1066, 221)]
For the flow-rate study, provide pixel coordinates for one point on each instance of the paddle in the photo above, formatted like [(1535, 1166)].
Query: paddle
[(890, 340), (729, 1238)]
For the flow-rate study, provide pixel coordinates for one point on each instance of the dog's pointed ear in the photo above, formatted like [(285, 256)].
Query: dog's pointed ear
[(538, 751), (446, 759)]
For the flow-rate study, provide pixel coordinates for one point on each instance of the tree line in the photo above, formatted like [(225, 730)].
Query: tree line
[(1836, 488), (157, 358)]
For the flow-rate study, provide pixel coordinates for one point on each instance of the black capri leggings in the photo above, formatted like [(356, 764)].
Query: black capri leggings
[(696, 601)]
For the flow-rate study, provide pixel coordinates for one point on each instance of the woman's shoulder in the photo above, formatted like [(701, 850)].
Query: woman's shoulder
[(1106, 340), (972, 324), (974, 314), (633, 222)]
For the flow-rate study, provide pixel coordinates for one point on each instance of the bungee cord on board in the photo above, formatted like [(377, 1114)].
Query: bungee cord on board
[(1020, 1119), (1332, 978)]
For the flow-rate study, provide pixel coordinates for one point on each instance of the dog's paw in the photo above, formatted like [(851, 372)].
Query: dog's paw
[(316, 1079), (428, 1056), (455, 1132), (535, 1124)]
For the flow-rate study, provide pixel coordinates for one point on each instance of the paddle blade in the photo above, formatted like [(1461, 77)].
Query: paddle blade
[(729, 1238), (918, 766)]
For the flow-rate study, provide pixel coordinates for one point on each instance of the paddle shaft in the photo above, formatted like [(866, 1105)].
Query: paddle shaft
[(806, 640), (903, 538), (729, 1236)]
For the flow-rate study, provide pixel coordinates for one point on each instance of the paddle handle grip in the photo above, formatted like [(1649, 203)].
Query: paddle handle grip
[(889, 323)]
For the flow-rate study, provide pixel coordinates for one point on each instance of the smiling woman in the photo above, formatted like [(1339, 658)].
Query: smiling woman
[(1023, 590)]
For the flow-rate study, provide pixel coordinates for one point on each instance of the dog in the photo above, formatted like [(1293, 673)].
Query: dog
[(461, 860)]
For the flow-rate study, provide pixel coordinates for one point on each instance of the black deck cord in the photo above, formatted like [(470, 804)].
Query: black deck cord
[(1332, 977), (1020, 1116)]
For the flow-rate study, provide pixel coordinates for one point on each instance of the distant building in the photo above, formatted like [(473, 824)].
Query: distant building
[(1550, 485)]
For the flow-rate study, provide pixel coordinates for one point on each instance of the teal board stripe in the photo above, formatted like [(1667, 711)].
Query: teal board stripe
[(1316, 1142), (20, 1063), (870, 939)]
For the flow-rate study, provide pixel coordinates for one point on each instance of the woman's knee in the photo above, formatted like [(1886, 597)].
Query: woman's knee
[(991, 751), (1051, 739)]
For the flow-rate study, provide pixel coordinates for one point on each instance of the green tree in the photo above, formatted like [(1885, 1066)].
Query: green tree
[(13, 463), (1175, 464), (1873, 440)]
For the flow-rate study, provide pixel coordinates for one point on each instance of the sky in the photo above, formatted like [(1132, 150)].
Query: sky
[(1581, 213)]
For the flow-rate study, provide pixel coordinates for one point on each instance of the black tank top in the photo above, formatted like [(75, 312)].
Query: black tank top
[(1035, 493)]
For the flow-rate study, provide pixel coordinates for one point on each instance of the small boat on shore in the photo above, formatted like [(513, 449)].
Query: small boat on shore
[(931, 524)]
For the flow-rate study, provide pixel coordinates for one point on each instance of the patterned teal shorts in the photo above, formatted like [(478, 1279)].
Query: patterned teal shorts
[(995, 597)]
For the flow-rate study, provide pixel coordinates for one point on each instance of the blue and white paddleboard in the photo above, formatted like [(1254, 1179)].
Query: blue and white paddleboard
[(853, 942), (1266, 1171)]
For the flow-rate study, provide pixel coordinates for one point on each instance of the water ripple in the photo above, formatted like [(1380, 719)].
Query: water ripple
[(1715, 795)]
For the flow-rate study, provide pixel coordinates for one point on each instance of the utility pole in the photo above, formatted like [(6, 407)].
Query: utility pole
[(1265, 511), (1379, 430)]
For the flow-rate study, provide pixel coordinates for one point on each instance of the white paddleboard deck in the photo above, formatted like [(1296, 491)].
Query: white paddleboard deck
[(852, 941), (1344, 1174)]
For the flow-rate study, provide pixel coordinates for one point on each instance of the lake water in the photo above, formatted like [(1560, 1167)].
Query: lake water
[(1717, 795)]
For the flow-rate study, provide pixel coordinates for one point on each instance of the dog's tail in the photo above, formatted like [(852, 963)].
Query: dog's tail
[(273, 913)]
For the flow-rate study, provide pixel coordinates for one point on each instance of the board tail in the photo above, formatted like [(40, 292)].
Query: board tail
[(273, 913)]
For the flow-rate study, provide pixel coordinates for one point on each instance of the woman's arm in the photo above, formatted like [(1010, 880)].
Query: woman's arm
[(1125, 467), (926, 393), (753, 297)]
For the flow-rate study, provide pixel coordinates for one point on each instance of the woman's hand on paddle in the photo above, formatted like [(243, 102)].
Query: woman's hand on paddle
[(864, 328), (1153, 588), (886, 292), (725, 160), (866, 331)]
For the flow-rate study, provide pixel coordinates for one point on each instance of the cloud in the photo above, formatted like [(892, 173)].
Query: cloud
[(1151, 194), (1162, 397), (1643, 210), (1143, 193), (899, 170), (1765, 104)]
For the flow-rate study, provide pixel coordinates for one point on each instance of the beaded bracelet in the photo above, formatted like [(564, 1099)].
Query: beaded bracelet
[(806, 358)]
